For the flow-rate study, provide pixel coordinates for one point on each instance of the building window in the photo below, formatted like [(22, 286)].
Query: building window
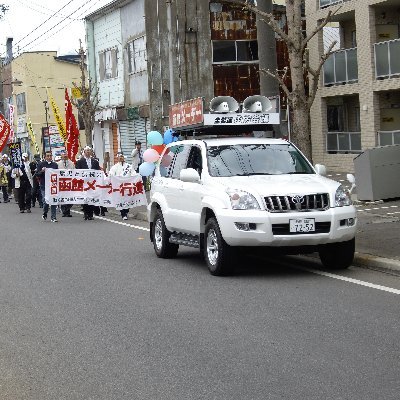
[(137, 55), (235, 51), (21, 105), (108, 62)]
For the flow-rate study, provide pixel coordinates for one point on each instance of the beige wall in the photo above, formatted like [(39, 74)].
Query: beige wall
[(38, 71), (364, 15)]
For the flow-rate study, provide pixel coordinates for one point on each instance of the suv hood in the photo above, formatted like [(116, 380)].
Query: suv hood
[(266, 185)]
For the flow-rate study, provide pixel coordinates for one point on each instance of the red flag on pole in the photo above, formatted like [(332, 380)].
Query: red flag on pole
[(71, 128), (4, 132)]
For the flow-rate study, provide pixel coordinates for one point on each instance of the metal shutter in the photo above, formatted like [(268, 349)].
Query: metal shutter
[(130, 132)]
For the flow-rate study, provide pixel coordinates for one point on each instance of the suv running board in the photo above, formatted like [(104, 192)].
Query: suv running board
[(185, 239)]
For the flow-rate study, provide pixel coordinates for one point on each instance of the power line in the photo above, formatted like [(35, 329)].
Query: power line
[(44, 23)]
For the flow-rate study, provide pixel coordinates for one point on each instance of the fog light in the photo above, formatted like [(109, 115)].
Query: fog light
[(351, 221), (245, 226), (242, 226)]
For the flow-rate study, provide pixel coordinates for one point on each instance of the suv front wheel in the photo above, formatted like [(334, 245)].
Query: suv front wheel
[(337, 255), (162, 247), (218, 254)]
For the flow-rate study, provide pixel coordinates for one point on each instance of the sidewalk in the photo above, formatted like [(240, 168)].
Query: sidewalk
[(378, 230)]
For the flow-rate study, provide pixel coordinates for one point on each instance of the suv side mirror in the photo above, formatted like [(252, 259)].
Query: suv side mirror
[(320, 169), (189, 175)]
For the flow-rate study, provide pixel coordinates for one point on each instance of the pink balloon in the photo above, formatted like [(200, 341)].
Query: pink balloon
[(166, 160), (151, 155)]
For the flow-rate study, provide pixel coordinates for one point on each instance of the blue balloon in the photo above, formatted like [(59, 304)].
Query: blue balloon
[(146, 168), (154, 138), (168, 136)]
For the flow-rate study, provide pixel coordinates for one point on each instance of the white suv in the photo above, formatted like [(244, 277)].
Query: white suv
[(224, 194)]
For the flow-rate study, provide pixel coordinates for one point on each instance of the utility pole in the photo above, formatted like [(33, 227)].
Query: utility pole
[(89, 100), (170, 53), (46, 111)]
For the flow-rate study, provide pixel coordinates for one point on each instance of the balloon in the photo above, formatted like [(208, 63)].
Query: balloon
[(159, 148), (154, 138), (146, 168), (168, 136), (166, 160), (151, 155)]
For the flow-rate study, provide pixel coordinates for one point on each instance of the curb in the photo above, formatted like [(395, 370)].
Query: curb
[(375, 262)]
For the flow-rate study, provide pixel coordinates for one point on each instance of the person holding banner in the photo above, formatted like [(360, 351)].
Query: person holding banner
[(121, 168), (65, 163), (87, 162), (41, 173)]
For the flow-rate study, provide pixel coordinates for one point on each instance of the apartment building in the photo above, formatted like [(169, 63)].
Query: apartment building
[(358, 102)]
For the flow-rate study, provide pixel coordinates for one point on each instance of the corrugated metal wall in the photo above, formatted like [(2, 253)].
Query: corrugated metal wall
[(132, 131)]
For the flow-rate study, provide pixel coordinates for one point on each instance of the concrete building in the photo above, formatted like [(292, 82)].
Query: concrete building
[(26, 79), (145, 55), (358, 102)]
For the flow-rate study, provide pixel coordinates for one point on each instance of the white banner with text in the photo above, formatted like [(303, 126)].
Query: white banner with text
[(89, 186)]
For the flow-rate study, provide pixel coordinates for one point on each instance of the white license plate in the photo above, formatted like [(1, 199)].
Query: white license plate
[(302, 225)]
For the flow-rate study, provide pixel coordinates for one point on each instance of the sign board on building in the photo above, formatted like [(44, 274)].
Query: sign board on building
[(186, 113)]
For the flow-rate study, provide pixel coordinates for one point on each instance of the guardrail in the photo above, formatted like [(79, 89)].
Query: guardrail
[(327, 3), (386, 138), (387, 60), (343, 142), (341, 67)]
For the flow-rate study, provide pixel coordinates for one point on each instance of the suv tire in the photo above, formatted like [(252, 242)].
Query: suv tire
[(162, 247), (337, 255), (218, 254)]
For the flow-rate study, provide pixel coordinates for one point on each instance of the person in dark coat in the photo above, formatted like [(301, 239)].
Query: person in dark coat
[(41, 173), (87, 162)]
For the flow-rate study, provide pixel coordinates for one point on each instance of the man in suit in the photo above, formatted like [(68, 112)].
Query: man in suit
[(65, 163), (87, 162)]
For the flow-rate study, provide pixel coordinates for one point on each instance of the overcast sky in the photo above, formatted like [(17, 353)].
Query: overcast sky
[(34, 28)]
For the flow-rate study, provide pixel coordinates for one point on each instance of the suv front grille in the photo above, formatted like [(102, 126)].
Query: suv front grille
[(297, 203)]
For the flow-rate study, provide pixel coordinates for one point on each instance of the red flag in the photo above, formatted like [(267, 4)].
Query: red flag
[(4, 132), (71, 128)]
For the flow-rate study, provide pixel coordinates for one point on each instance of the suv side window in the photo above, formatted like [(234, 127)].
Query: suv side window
[(195, 160), (179, 160)]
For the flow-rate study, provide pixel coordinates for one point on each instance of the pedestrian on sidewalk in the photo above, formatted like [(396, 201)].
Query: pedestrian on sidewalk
[(137, 160), (65, 163), (121, 168), (87, 162), (41, 173)]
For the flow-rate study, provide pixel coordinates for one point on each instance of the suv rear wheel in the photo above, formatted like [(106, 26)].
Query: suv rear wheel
[(337, 255), (162, 247), (218, 254)]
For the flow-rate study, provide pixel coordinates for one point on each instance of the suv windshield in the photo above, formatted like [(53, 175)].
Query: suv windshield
[(256, 159)]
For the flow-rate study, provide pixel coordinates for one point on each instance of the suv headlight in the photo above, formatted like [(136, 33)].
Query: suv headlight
[(342, 197), (241, 200)]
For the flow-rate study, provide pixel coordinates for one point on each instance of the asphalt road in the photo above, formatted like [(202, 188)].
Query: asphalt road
[(88, 312)]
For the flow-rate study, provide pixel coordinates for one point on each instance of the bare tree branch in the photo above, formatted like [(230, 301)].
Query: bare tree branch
[(316, 73), (279, 78), (319, 27), (267, 18)]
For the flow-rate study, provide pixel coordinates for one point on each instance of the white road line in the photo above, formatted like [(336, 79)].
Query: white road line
[(313, 271), (117, 222), (351, 280)]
